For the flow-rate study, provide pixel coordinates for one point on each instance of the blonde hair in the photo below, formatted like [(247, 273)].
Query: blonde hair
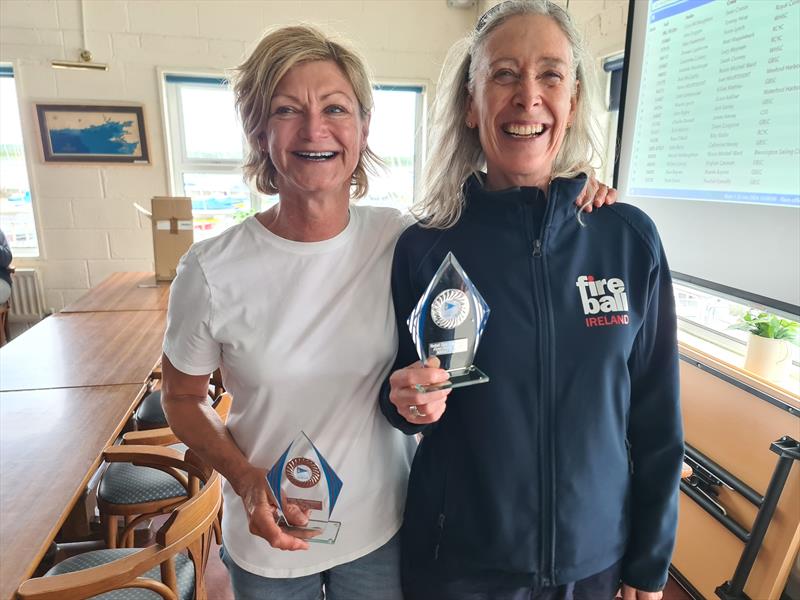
[(254, 83), (456, 151)]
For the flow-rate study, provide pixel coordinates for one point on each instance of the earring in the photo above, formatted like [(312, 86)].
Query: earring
[(470, 125)]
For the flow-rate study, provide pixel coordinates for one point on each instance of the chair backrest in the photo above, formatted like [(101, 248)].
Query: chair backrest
[(215, 384), (3, 323), (163, 436), (189, 527), (223, 406)]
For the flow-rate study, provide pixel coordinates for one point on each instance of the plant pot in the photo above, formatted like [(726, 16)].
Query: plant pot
[(767, 357)]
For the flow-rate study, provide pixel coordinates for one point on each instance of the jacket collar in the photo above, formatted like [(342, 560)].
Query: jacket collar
[(561, 197)]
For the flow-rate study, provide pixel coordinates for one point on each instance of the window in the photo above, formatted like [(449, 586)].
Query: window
[(705, 320), (612, 66), (16, 209), (395, 134), (207, 148)]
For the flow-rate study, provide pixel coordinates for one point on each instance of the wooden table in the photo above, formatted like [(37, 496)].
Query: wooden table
[(124, 291), (84, 349), (50, 445)]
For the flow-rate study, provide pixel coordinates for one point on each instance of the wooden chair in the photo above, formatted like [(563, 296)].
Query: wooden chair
[(162, 567), (137, 493), (4, 310), (150, 415)]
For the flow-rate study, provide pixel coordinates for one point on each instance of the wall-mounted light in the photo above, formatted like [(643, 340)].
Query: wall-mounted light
[(85, 61)]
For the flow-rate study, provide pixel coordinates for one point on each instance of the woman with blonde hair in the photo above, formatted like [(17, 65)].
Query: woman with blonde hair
[(293, 306), (557, 479)]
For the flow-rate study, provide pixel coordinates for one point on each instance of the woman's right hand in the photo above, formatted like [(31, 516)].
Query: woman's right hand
[(262, 513), (415, 405)]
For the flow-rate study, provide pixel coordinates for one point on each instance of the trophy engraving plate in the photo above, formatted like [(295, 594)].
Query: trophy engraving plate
[(448, 322), (302, 481)]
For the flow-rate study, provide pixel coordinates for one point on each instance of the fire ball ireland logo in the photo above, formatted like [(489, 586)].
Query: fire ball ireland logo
[(450, 308), (303, 472)]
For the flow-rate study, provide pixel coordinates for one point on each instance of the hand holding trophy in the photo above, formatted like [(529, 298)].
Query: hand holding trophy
[(305, 488), (448, 323)]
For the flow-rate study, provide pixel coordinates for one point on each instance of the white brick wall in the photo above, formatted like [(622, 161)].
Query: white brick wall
[(41, 15), (100, 269), (65, 274), (88, 228)]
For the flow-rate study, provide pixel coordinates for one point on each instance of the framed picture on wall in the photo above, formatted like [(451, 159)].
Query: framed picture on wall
[(88, 133)]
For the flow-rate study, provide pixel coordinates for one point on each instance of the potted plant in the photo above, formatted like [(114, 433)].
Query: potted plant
[(768, 353)]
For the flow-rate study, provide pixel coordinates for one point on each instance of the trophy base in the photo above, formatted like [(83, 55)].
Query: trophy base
[(471, 376), (329, 530)]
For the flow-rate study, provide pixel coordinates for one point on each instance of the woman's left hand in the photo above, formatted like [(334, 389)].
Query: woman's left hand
[(631, 593), (597, 194)]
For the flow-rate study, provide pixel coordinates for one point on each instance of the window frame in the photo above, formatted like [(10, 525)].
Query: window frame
[(721, 346), (25, 126), (421, 116), (174, 140), (177, 161)]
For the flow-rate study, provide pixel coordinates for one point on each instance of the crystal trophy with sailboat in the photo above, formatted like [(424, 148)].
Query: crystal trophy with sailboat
[(302, 481), (448, 322)]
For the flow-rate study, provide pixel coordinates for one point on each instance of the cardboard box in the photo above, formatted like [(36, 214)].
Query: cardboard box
[(173, 233)]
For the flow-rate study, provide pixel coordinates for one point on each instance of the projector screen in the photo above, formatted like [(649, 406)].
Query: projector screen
[(709, 142)]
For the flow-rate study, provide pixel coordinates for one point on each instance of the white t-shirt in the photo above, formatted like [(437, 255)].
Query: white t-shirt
[(305, 335)]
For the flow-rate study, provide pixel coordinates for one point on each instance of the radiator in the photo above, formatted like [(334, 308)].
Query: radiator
[(27, 297)]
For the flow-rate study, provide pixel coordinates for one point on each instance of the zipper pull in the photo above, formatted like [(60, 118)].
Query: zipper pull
[(537, 248)]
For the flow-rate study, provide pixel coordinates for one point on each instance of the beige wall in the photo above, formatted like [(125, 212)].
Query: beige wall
[(602, 22), (87, 225)]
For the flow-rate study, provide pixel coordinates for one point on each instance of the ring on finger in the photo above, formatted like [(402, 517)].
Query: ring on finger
[(414, 411)]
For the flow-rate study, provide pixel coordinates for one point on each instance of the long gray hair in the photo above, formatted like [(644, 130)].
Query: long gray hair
[(456, 152)]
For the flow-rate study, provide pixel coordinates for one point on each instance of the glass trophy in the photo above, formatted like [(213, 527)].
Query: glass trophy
[(302, 480), (448, 322)]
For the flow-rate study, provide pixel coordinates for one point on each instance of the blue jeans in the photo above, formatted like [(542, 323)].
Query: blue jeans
[(376, 575)]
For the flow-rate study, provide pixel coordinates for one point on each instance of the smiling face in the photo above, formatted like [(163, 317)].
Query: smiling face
[(522, 100), (315, 132)]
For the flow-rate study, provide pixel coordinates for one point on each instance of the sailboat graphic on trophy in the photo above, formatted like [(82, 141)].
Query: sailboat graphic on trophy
[(302, 479)]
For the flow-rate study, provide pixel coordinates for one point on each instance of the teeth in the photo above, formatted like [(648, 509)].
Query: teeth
[(316, 154), (524, 129)]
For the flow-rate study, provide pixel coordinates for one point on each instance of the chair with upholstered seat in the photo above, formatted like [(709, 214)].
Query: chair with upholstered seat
[(161, 568), (150, 415), (138, 493)]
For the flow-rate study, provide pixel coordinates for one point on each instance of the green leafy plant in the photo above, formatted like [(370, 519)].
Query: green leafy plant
[(766, 325), (241, 215)]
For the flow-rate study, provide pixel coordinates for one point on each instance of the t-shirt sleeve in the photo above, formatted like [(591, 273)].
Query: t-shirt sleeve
[(188, 342)]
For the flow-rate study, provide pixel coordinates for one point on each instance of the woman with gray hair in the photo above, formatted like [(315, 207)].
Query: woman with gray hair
[(559, 477)]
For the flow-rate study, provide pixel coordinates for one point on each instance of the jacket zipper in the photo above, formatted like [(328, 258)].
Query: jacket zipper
[(439, 534), (547, 478), (441, 518), (630, 456)]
